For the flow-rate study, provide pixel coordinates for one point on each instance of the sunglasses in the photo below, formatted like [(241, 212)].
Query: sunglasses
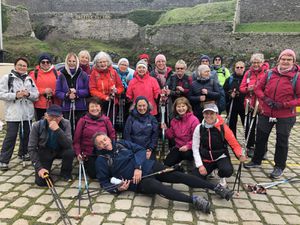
[(179, 68), (45, 62), (239, 67)]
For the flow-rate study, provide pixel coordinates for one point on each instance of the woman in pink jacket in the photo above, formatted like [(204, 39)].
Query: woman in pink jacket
[(181, 129), (251, 78), (279, 94), (143, 84)]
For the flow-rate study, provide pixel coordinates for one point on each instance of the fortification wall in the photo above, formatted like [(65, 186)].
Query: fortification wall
[(208, 37), (269, 10), (35, 6), (83, 26)]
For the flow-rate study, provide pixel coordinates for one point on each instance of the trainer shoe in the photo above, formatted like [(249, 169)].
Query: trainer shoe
[(223, 182), (25, 157), (201, 204), (276, 173), (223, 192), (67, 178), (3, 166), (251, 165)]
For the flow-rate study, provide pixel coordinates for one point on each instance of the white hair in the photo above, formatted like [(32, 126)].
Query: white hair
[(102, 55)]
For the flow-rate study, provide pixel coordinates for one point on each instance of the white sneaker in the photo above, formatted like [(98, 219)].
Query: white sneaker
[(223, 182)]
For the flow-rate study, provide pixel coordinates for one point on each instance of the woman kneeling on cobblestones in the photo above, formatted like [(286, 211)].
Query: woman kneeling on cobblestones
[(127, 162)]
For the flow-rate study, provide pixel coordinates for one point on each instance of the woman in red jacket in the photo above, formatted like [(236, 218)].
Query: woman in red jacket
[(143, 84), (181, 129), (94, 121), (105, 83), (251, 78), (279, 94)]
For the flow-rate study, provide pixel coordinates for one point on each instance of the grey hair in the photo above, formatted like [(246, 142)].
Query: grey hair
[(257, 56), (85, 52), (202, 68), (181, 62), (102, 55), (97, 134)]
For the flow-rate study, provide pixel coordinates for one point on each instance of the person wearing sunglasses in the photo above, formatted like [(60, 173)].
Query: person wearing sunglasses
[(44, 76), (235, 99)]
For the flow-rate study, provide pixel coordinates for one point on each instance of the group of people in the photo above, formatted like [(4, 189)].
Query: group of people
[(77, 109)]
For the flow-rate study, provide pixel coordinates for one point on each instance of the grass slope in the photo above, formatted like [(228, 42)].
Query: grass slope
[(219, 11), (269, 27)]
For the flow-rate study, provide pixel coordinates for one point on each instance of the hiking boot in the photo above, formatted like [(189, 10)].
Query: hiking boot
[(223, 192), (201, 204), (3, 166), (251, 165), (67, 178), (223, 182), (250, 152), (276, 173), (25, 157)]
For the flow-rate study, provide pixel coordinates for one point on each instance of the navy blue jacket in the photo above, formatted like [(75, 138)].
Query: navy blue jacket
[(124, 158), (141, 129)]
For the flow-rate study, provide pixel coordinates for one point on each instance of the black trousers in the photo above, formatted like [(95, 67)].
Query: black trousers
[(89, 165), (154, 185), (175, 156), (224, 166), (47, 156), (9, 141), (39, 113), (69, 115), (283, 130), (235, 112)]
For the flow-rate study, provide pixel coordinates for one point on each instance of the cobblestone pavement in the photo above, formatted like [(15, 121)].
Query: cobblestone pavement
[(24, 203)]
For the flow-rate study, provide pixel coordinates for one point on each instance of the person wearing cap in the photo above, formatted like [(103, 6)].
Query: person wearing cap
[(84, 61), (146, 57), (210, 151), (221, 71), (51, 138), (44, 76), (252, 77), (105, 82), (72, 88), (126, 162), (141, 127), (18, 91), (143, 84), (279, 94), (203, 90)]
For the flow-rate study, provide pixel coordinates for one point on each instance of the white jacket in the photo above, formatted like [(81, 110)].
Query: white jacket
[(18, 109)]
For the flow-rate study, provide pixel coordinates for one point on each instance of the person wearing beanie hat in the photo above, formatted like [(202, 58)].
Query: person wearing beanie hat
[(278, 95), (44, 76), (144, 56), (161, 72), (141, 127), (143, 84), (204, 59), (222, 72), (50, 138), (160, 57)]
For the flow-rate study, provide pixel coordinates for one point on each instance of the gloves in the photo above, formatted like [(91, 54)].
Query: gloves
[(268, 101), (278, 105)]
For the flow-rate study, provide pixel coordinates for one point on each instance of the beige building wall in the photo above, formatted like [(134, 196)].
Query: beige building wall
[(5, 68)]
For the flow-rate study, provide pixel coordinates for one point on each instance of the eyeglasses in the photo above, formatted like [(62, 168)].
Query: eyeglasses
[(179, 68), (239, 67), (20, 65), (45, 62)]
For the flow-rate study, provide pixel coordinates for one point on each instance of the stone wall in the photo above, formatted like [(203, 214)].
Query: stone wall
[(35, 6), (269, 10), (18, 22), (209, 38), (82, 26)]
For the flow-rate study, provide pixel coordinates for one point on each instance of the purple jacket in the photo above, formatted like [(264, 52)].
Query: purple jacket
[(182, 129), (82, 89), (85, 130)]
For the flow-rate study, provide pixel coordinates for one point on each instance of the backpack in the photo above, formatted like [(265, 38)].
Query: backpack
[(293, 81), (11, 80), (221, 103)]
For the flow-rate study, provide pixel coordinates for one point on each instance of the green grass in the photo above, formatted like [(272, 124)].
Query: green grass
[(144, 17), (219, 11), (269, 27)]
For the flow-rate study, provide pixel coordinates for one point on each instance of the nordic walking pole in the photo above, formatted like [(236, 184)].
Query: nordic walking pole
[(230, 111), (114, 111), (58, 202), (252, 120), (79, 189), (87, 186), (108, 109)]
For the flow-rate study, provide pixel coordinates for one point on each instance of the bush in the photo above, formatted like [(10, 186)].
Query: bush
[(144, 17)]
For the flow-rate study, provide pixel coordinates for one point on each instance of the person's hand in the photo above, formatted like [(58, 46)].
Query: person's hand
[(53, 125), (268, 101), (202, 170), (179, 88), (163, 126), (233, 93), (137, 176), (72, 96), (148, 153), (19, 94), (79, 157), (48, 91), (124, 186), (278, 105), (42, 172), (202, 98), (183, 148), (243, 158), (204, 91), (25, 93), (251, 88), (73, 90)]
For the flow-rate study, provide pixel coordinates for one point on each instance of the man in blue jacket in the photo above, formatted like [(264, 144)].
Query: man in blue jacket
[(127, 161)]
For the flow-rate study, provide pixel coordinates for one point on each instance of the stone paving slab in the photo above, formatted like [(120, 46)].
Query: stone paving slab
[(23, 203)]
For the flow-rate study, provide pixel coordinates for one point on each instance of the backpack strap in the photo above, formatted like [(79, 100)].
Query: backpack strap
[(10, 82), (269, 76), (55, 73), (230, 81), (294, 83), (36, 72)]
